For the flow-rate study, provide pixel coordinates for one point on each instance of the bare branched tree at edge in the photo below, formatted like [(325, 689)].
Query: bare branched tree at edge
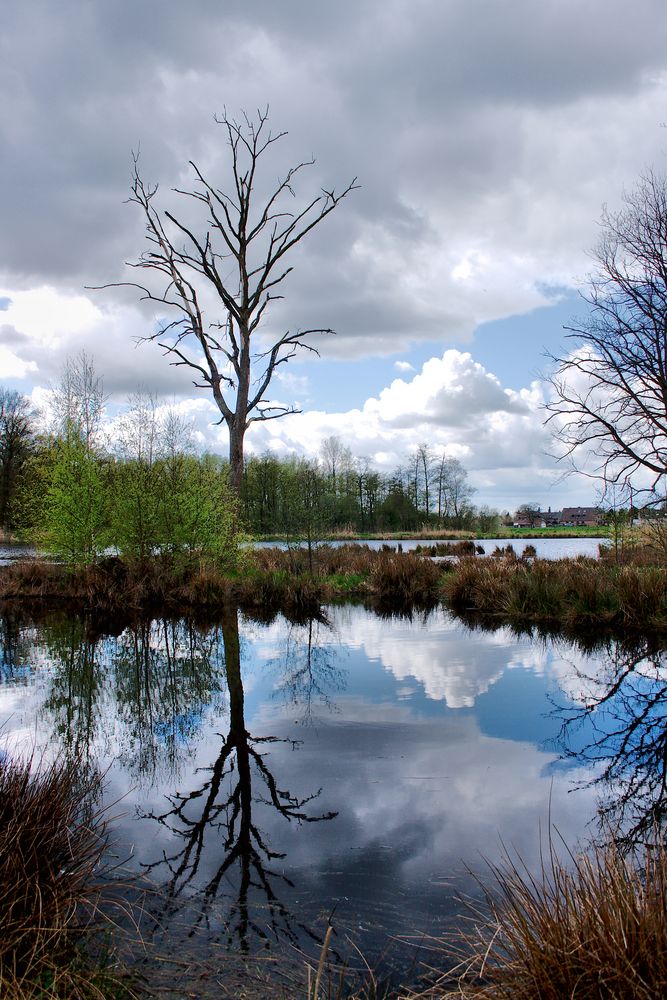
[(241, 255), (609, 411)]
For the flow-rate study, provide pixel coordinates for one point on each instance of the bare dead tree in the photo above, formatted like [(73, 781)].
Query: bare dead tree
[(609, 410), (223, 810), (239, 254), (78, 400)]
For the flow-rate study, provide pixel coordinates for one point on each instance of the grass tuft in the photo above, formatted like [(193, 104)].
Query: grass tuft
[(51, 846), (589, 927), (573, 592)]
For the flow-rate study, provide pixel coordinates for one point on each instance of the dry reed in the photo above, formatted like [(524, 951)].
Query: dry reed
[(590, 927), (572, 592), (51, 845)]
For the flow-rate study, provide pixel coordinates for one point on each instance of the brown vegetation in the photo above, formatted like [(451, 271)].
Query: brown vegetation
[(590, 927), (568, 593), (572, 592), (51, 846), (291, 578)]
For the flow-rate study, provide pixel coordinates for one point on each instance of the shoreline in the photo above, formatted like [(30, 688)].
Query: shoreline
[(433, 535), (567, 594)]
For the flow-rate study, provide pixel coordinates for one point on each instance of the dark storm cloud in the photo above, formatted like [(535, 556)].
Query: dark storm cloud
[(468, 125)]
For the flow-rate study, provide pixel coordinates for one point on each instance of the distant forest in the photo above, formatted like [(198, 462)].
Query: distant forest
[(145, 479), (336, 492)]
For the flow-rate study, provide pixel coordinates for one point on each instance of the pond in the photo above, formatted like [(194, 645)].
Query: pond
[(272, 776), (546, 548)]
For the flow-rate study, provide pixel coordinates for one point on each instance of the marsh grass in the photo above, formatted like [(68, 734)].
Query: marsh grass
[(590, 927), (465, 547), (387, 574), (573, 592), (332, 981), (52, 840)]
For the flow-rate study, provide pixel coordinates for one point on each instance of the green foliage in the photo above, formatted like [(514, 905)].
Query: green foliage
[(308, 499), (17, 438), (180, 505), (136, 524), (75, 510), (199, 513)]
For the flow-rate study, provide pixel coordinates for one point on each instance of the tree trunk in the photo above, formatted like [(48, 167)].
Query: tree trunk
[(236, 436)]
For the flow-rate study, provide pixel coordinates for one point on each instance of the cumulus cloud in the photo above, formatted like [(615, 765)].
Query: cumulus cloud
[(485, 138), (454, 405)]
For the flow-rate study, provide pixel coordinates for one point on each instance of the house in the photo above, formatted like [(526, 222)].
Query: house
[(568, 516), (588, 517)]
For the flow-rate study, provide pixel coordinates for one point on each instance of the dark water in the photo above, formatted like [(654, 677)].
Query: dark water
[(270, 777)]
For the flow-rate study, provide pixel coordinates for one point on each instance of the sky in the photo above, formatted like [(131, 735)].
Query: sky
[(485, 137)]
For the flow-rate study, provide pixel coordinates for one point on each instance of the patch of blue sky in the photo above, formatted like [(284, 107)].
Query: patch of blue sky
[(5, 303), (514, 349)]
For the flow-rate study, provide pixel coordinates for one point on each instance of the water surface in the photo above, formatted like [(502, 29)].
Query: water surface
[(273, 776)]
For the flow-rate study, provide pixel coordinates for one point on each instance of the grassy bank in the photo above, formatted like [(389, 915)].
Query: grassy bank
[(573, 594), (440, 534), (293, 580), (565, 532), (382, 536), (568, 592)]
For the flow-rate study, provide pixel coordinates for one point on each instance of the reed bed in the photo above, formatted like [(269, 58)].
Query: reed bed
[(465, 547), (570, 591), (387, 574), (592, 927), (51, 846)]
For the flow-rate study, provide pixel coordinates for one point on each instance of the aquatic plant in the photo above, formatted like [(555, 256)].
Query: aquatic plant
[(588, 926), (51, 844), (571, 591)]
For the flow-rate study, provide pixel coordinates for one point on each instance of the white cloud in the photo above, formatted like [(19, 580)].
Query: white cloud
[(454, 405), (484, 141)]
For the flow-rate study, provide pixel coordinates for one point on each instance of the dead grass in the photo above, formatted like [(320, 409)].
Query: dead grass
[(573, 592), (51, 845), (587, 927)]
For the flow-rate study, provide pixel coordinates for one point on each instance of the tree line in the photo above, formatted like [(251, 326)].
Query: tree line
[(77, 495), (338, 492), (143, 489)]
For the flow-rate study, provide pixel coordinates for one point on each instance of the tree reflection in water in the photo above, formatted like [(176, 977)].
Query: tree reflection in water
[(139, 697), (142, 697), (15, 647), (221, 809), (308, 672), (624, 707)]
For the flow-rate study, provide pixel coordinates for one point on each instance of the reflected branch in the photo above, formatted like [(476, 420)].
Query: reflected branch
[(225, 802), (625, 708)]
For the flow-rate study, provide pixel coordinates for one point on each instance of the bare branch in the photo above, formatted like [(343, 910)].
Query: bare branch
[(609, 410), (235, 260)]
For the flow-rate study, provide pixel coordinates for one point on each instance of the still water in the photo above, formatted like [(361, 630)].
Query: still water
[(546, 548), (272, 776)]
